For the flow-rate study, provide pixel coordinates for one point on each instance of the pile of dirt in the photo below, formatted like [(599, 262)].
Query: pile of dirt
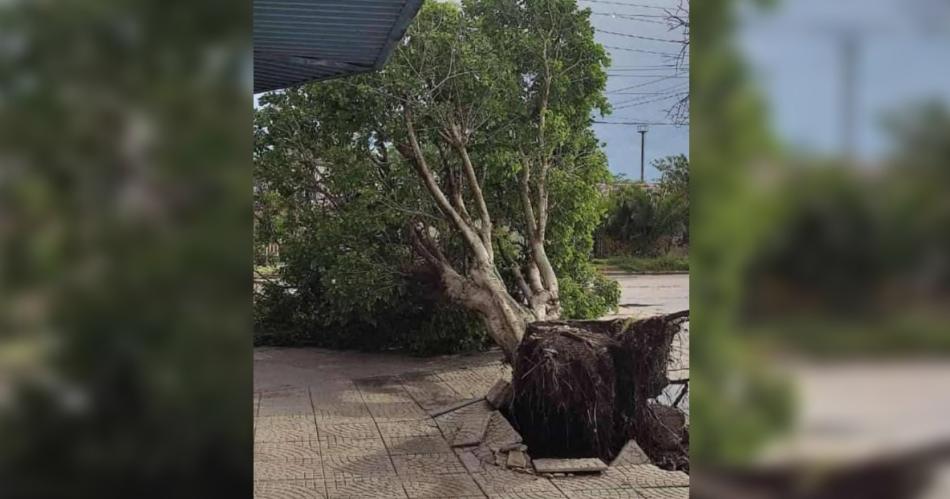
[(584, 388)]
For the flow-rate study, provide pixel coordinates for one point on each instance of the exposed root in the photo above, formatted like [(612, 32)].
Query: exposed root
[(583, 388)]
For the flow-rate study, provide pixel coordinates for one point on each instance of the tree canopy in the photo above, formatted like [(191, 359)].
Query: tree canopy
[(470, 154)]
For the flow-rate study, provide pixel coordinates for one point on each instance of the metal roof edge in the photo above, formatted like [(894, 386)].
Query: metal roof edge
[(409, 11)]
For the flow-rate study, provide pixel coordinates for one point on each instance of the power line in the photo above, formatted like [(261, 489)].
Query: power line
[(626, 4), (637, 123), (675, 75), (628, 49), (628, 17), (658, 92), (641, 93), (631, 87), (645, 66), (630, 104), (639, 37)]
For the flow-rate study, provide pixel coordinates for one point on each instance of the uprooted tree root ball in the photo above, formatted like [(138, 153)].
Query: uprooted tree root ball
[(583, 388)]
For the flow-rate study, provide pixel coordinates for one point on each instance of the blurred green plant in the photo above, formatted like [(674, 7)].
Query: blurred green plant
[(124, 352), (860, 249), (736, 402)]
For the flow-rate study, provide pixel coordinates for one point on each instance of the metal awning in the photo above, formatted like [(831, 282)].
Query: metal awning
[(298, 41)]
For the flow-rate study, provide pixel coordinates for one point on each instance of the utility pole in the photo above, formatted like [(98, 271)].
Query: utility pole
[(849, 45), (642, 130)]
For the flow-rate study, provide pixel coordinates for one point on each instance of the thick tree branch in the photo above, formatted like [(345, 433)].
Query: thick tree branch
[(418, 160), (526, 204), (486, 225), (453, 182)]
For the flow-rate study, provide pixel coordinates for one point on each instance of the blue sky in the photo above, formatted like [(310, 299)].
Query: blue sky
[(635, 64), (794, 52)]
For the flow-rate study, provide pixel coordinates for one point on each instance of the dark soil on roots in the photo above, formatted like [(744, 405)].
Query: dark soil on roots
[(584, 388)]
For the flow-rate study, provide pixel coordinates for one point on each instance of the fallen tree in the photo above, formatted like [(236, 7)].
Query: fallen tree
[(584, 388), (478, 132)]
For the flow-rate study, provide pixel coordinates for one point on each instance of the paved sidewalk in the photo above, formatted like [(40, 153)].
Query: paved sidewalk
[(331, 424)]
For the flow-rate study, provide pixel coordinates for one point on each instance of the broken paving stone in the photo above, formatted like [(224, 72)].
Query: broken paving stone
[(517, 459), (631, 454), (452, 406), (473, 423), (584, 465), (500, 394), (500, 433), (471, 462), (513, 446)]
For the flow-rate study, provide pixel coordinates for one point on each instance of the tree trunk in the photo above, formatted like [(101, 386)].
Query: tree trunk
[(483, 292)]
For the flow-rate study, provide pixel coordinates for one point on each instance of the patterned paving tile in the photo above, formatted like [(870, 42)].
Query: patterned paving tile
[(448, 423), (348, 430), (498, 481), (555, 494), (264, 432), (665, 493), (285, 393), (431, 393), (349, 412), (408, 429), (427, 464), (286, 451), (374, 438), (631, 454), (417, 445), (442, 486), (648, 475), (297, 469), (284, 402), (590, 482), (604, 494), (472, 462), (342, 446), (292, 422), (500, 433), (290, 489), (345, 467), (396, 411), (330, 397), (267, 410), (366, 488), (472, 422)]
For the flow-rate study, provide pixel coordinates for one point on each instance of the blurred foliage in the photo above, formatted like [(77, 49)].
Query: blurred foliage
[(862, 248), (736, 402), (333, 193), (664, 263), (800, 254), (124, 352)]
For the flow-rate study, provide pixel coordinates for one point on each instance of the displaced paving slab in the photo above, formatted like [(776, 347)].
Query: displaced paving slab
[(649, 476), (500, 394), (472, 424), (631, 454), (582, 465), (517, 459)]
